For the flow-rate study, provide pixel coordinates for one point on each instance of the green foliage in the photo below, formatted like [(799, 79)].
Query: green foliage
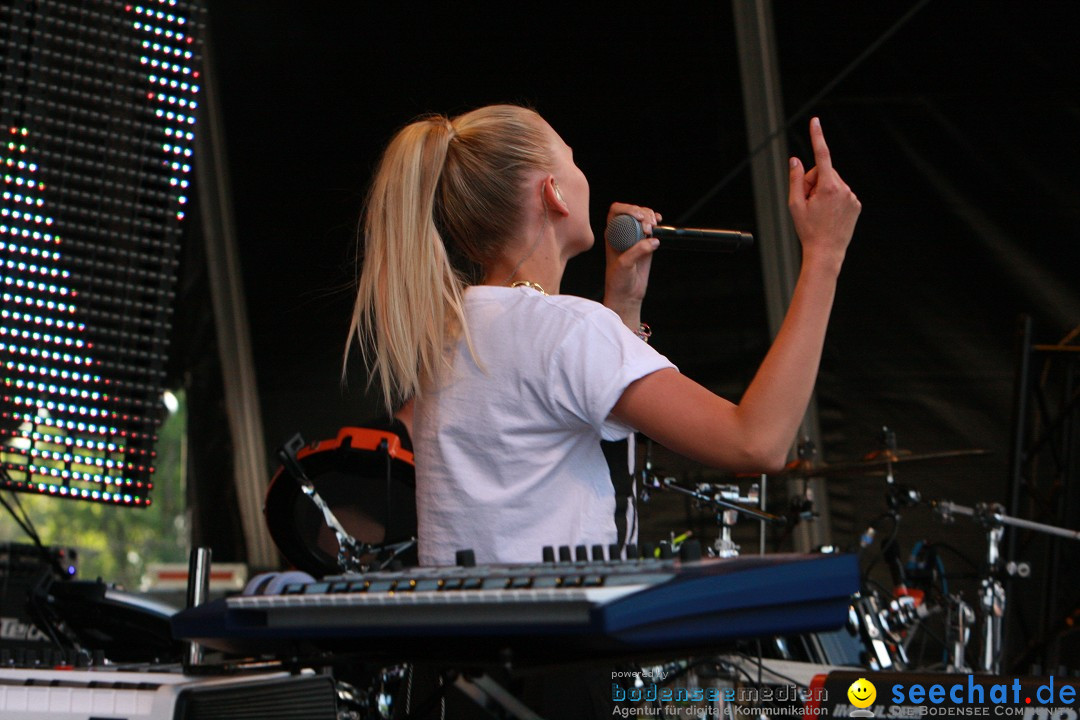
[(116, 543)]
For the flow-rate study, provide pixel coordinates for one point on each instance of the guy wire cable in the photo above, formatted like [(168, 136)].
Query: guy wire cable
[(801, 111)]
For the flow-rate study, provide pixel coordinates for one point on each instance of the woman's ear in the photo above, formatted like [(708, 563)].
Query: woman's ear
[(552, 196)]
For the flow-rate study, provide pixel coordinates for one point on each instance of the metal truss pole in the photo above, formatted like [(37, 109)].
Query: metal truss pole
[(780, 253), (231, 324)]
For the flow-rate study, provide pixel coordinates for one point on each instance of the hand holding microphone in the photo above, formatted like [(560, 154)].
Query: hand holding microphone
[(626, 278)]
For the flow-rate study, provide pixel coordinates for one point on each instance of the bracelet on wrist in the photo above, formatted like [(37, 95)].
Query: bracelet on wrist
[(644, 332)]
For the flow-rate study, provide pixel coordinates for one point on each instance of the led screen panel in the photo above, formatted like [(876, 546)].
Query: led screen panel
[(98, 101)]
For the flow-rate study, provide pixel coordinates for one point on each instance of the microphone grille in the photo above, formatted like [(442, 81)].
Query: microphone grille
[(623, 232)]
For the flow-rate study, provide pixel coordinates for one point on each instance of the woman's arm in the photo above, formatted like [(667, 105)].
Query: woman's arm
[(756, 434)]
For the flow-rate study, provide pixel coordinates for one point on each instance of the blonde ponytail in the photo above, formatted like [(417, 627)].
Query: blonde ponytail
[(446, 196)]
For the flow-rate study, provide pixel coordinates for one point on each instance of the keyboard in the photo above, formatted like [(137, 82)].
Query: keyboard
[(539, 610), (101, 693)]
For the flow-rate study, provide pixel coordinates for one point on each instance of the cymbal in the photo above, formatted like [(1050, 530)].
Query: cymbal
[(873, 464)]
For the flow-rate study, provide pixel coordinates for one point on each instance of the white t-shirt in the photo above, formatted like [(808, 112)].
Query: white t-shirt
[(508, 455)]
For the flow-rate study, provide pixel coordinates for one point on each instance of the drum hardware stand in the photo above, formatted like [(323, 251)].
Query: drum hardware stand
[(804, 505), (882, 627), (960, 625), (728, 503), (648, 479), (350, 550), (991, 589), (896, 496), (800, 505), (764, 494), (871, 621)]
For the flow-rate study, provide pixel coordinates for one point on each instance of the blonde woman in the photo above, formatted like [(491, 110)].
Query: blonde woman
[(468, 227)]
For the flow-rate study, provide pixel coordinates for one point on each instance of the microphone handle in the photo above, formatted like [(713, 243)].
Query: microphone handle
[(700, 239)]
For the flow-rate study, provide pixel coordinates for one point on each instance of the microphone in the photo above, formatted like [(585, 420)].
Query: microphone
[(624, 231)]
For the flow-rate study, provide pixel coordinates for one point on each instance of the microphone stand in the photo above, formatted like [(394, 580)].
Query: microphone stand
[(992, 591)]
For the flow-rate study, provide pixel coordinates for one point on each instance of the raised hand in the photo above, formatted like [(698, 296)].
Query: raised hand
[(822, 206)]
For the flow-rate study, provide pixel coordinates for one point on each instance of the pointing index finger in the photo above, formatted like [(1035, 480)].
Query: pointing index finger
[(822, 159)]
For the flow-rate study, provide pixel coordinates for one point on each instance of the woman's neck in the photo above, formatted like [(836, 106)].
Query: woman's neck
[(540, 264)]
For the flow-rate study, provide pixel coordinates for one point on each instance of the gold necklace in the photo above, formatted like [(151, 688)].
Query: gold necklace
[(529, 284)]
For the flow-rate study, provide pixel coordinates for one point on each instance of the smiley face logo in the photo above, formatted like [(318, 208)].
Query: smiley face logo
[(862, 693)]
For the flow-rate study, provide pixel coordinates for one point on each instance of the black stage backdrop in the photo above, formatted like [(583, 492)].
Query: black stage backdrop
[(959, 135)]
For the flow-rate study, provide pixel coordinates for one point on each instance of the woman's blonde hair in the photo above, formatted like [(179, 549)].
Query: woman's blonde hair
[(445, 199)]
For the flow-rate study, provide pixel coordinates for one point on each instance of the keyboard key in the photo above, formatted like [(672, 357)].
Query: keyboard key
[(381, 586)]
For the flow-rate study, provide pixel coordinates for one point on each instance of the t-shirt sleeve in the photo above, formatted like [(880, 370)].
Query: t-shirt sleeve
[(596, 360)]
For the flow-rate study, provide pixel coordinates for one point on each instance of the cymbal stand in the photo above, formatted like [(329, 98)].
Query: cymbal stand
[(802, 506), (896, 497), (991, 590)]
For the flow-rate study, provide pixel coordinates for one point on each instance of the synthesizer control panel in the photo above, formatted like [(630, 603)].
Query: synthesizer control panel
[(588, 608)]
